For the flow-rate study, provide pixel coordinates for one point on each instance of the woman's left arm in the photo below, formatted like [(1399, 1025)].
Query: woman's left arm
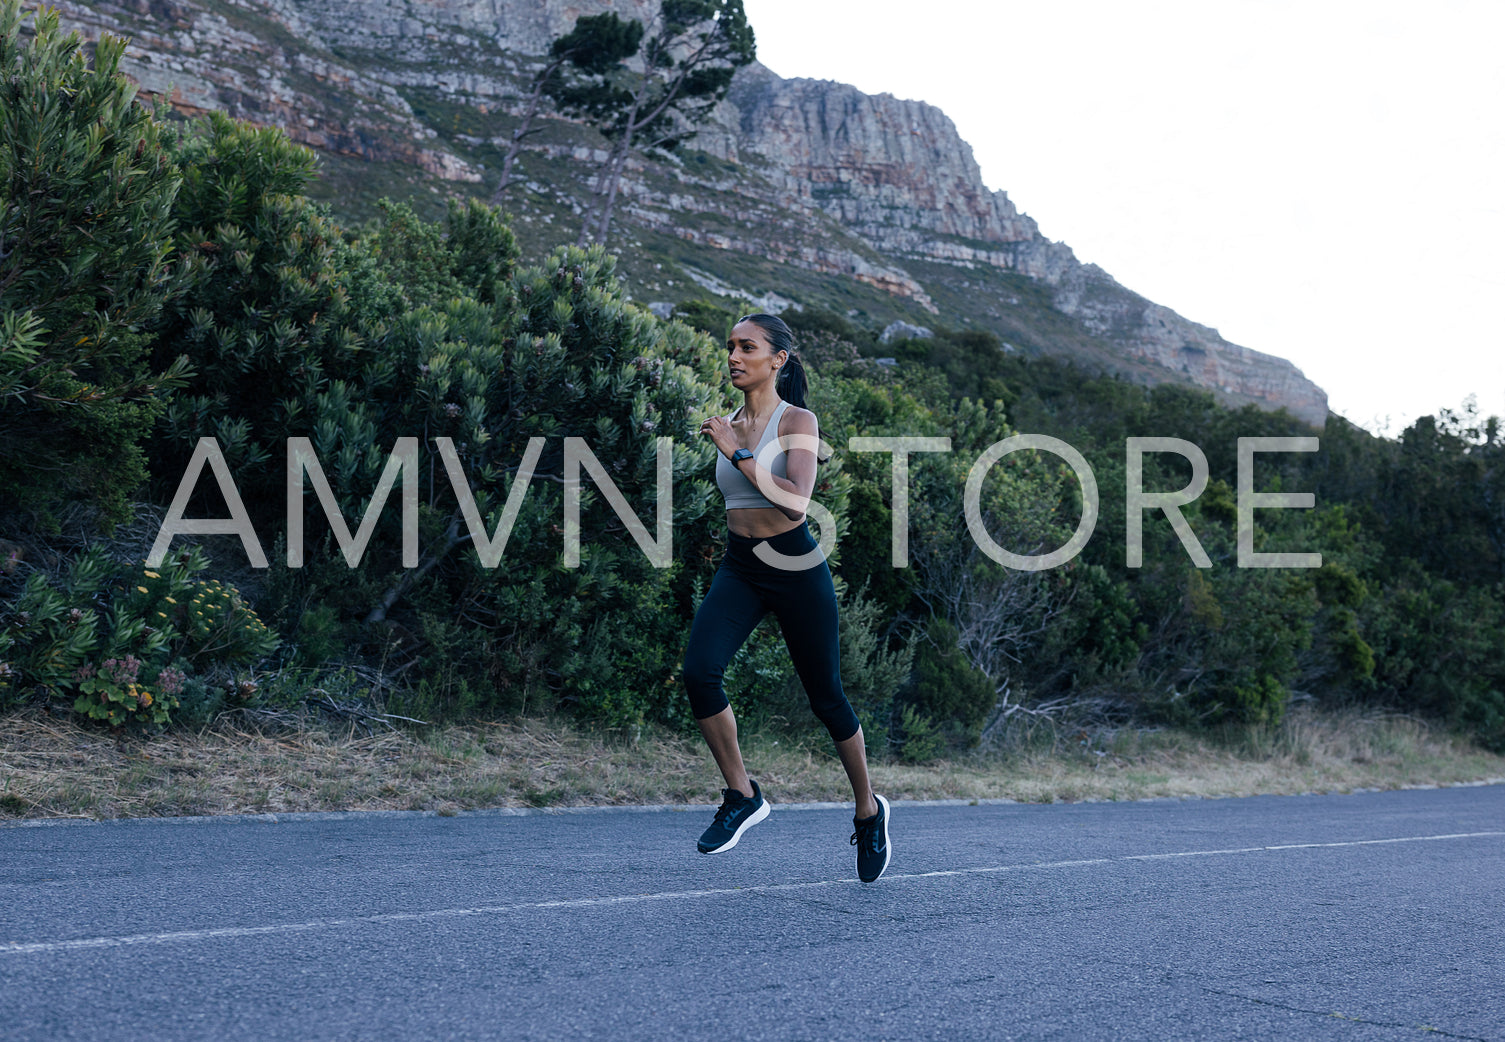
[(800, 463)]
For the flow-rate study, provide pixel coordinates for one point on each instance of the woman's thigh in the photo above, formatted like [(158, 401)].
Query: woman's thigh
[(725, 618)]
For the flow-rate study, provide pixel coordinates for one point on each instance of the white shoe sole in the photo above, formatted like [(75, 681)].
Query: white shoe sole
[(888, 844), (757, 816)]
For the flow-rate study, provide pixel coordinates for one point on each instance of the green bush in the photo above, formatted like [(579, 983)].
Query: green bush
[(1230, 648), (918, 738), (87, 182), (947, 691), (302, 332), (1438, 649), (119, 641), (198, 703), (115, 694), (708, 317), (873, 668), (588, 364), (55, 627), (286, 324)]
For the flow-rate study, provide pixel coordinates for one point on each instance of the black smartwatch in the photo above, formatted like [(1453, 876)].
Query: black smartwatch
[(740, 455)]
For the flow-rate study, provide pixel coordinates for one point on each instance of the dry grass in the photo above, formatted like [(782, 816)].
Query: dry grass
[(52, 768)]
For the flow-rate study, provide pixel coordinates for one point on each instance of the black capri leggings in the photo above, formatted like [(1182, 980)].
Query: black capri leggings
[(743, 590)]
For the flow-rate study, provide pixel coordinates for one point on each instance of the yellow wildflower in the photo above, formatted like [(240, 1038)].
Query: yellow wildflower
[(151, 575), (143, 589)]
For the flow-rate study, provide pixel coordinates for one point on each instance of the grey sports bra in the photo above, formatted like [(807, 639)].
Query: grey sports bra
[(734, 485)]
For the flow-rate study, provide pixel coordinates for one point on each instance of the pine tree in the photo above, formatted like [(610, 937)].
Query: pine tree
[(690, 51), (596, 45)]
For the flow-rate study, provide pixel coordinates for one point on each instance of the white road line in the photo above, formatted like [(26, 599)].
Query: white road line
[(41, 947)]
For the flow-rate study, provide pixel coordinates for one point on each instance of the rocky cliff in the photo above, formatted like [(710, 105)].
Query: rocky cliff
[(897, 173), (880, 194)]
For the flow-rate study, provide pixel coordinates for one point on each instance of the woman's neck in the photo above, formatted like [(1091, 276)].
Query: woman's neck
[(759, 403)]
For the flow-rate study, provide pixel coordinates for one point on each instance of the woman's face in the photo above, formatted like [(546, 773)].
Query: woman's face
[(750, 357)]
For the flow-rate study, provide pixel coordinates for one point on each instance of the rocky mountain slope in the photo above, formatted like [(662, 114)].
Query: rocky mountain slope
[(802, 190)]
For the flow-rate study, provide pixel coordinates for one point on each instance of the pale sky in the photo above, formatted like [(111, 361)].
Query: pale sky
[(1317, 179)]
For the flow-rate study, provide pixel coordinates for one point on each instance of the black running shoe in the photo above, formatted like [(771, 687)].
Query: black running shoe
[(871, 841), (736, 815)]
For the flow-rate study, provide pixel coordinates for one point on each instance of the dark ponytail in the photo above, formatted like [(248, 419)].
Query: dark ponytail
[(791, 384)]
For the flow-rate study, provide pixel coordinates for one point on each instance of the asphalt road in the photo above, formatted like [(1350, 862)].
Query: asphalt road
[(1365, 916)]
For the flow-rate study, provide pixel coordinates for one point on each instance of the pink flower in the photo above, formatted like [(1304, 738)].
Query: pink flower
[(121, 670), (171, 681)]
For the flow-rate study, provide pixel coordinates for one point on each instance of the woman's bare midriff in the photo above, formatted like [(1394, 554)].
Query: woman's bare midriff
[(760, 522)]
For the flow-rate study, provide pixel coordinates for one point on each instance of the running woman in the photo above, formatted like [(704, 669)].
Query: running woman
[(764, 367)]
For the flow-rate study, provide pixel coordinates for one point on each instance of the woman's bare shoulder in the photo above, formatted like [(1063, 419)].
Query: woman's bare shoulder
[(796, 420)]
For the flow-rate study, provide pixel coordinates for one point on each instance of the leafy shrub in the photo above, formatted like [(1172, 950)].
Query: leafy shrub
[(945, 691), (625, 673), (1438, 649), (433, 264), (872, 671), (286, 324), (56, 627), (86, 187), (918, 738), (114, 693), (218, 626), (124, 638), (1231, 647), (707, 316), (198, 703)]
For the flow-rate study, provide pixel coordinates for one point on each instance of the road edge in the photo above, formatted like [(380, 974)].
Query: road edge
[(662, 808)]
